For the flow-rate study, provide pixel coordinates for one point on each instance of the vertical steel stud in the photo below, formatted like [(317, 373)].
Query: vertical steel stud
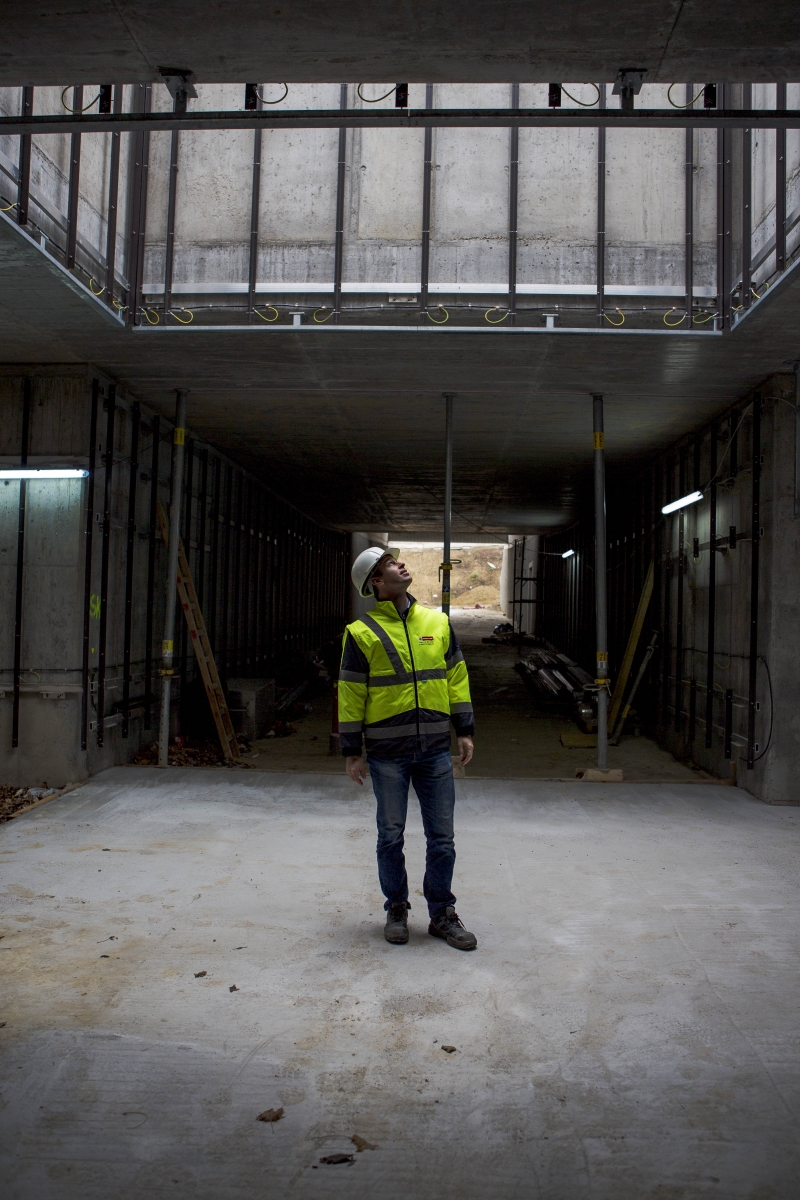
[(179, 439), (154, 538), (755, 544), (129, 564), (600, 582), (87, 564), (108, 459), (27, 389)]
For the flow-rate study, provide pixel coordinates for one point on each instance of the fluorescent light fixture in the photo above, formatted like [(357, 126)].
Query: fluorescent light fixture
[(568, 554), (692, 498), (43, 473)]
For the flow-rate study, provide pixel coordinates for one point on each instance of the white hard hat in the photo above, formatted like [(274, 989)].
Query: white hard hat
[(364, 567)]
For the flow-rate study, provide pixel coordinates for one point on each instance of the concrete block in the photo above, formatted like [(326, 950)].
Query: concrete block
[(252, 704)]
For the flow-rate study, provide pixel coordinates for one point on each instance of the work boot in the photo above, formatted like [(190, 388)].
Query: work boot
[(396, 928), (448, 925)]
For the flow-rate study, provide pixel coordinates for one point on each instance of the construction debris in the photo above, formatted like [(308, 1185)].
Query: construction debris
[(449, 1049), (270, 1114), (200, 974), (335, 1159), (361, 1143)]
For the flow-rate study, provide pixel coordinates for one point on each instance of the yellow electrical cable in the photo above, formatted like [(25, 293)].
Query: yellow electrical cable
[(378, 99), (77, 110), (269, 320), (173, 313), (324, 319), (147, 312), (9, 208), (583, 103), (673, 324), (446, 316), (91, 289), (674, 105), (616, 324), (755, 293), (705, 321), (283, 97), (500, 319), (119, 306)]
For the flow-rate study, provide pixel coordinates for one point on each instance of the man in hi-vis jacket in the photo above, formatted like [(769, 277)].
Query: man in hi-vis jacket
[(403, 679)]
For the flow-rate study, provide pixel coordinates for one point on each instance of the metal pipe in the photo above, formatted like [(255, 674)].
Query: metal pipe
[(780, 183), (154, 536), (712, 584), (448, 500), (755, 544), (727, 744), (179, 439), (186, 520), (87, 563), (201, 531), (73, 193), (427, 179), (600, 582), (113, 199), (513, 207), (129, 562), (27, 389), (679, 599), (601, 212), (24, 187), (108, 459), (338, 247)]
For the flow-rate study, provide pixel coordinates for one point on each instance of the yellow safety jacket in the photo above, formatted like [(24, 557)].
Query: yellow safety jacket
[(402, 681)]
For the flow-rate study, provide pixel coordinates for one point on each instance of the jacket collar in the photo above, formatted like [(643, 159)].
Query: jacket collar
[(387, 610)]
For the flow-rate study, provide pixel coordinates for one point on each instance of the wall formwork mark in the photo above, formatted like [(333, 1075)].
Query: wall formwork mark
[(271, 582)]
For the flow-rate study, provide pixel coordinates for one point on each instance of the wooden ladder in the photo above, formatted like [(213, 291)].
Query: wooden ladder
[(202, 647)]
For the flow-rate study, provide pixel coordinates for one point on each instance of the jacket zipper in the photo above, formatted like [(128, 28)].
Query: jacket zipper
[(413, 667)]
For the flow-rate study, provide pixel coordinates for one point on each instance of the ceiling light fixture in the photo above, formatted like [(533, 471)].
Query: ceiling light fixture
[(568, 554), (43, 473), (674, 505)]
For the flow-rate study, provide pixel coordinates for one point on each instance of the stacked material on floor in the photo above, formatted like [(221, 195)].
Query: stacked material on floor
[(552, 676)]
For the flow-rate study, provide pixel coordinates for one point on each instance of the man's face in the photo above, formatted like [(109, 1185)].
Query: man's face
[(392, 574)]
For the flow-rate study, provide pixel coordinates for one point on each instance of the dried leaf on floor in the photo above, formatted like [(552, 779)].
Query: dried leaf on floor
[(200, 974), (449, 1049), (334, 1159), (361, 1143), (233, 988), (270, 1114)]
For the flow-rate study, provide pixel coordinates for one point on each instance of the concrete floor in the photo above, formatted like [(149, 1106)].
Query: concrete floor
[(627, 1028)]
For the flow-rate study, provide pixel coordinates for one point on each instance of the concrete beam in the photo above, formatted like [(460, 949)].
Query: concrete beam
[(91, 40)]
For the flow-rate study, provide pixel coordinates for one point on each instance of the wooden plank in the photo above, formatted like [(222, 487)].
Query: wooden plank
[(202, 647), (630, 649)]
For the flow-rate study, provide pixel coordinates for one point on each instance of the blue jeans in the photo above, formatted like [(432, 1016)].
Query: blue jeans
[(432, 777)]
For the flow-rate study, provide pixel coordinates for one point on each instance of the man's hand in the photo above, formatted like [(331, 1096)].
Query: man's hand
[(465, 749), (357, 769)]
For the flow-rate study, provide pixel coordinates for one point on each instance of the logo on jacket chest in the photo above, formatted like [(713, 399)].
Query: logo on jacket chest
[(426, 640)]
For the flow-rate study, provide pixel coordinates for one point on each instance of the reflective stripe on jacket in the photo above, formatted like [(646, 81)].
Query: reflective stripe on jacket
[(401, 683)]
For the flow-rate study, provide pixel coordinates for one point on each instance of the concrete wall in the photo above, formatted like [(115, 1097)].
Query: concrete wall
[(272, 585)]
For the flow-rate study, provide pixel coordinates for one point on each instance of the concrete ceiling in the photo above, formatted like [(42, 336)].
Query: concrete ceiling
[(91, 41), (350, 425)]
